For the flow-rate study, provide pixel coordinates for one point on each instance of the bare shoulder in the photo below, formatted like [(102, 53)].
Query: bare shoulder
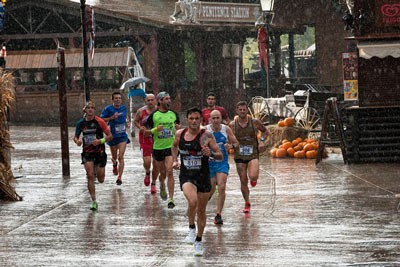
[(179, 132)]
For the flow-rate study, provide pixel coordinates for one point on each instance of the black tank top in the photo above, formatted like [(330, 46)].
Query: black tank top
[(193, 163)]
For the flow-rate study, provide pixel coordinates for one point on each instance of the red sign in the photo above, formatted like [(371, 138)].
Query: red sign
[(387, 13)]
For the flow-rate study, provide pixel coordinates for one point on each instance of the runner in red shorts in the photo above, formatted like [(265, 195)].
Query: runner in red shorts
[(146, 141)]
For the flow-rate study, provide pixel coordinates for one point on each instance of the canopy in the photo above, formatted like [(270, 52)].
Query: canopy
[(368, 50)]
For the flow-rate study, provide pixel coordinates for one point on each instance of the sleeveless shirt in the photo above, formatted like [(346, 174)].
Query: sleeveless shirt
[(247, 137)]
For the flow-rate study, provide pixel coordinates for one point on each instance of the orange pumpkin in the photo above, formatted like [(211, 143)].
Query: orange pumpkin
[(297, 148), (290, 151), (281, 124), (311, 140), (308, 147), (299, 154), (295, 142), (281, 153), (289, 122), (286, 145), (273, 152), (299, 139), (284, 141), (311, 154)]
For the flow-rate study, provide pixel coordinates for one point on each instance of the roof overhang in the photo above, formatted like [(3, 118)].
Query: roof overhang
[(368, 50)]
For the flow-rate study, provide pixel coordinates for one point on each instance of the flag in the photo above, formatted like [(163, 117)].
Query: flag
[(262, 47), (92, 30), (1, 16)]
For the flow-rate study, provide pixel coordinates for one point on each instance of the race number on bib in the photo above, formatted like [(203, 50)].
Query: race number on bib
[(192, 162), (245, 150), (120, 128), (89, 138), (166, 133)]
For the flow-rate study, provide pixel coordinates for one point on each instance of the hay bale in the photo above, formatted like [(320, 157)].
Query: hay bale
[(277, 134)]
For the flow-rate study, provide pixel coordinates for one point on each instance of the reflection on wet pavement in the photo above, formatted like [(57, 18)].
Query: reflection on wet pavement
[(302, 214)]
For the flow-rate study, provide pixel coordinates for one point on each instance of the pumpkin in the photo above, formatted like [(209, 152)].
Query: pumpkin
[(299, 154), (281, 153), (295, 142), (284, 141), (308, 147), (273, 152), (311, 140), (311, 154), (290, 151), (299, 139), (281, 124), (289, 122), (297, 148), (286, 145)]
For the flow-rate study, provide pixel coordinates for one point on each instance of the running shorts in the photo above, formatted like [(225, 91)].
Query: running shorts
[(116, 140), (218, 167), (161, 154), (98, 158)]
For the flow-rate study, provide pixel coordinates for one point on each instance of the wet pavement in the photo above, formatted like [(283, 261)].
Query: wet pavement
[(302, 215)]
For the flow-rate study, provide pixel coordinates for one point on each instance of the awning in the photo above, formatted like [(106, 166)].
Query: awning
[(47, 59), (368, 50)]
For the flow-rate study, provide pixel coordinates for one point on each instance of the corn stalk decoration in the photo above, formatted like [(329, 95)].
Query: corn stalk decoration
[(7, 85)]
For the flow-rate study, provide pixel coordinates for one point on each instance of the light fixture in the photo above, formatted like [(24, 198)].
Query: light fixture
[(267, 5)]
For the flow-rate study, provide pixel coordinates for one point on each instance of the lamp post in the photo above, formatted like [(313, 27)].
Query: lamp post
[(85, 52), (267, 8)]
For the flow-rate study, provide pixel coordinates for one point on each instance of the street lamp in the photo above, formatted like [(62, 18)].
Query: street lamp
[(267, 8)]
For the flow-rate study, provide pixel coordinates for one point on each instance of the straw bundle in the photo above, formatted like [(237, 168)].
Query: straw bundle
[(277, 134), (7, 191)]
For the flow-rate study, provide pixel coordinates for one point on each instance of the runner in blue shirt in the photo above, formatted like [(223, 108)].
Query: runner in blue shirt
[(116, 116)]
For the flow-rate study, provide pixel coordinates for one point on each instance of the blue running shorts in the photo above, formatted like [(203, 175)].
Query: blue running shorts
[(218, 167), (116, 140)]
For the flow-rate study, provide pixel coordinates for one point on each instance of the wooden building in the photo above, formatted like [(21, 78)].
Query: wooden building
[(208, 41)]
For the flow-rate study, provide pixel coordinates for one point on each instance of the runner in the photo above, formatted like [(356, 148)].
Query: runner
[(219, 169), (211, 106), (116, 116), (194, 146), (146, 141), (246, 155), (93, 152), (163, 123)]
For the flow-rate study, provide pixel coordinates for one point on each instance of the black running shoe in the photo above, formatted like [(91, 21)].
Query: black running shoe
[(119, 181), (171, 204), (218, 219)]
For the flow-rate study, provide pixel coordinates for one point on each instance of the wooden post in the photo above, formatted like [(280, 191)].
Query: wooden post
[(198, 46), (85, 52), (63, 112), (291, 56), (155, 78)]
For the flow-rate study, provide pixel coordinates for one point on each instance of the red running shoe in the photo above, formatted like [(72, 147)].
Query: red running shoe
[(153, 189), (253, 183), (115, 169), (119, 180), (247, 207), (147, 179)]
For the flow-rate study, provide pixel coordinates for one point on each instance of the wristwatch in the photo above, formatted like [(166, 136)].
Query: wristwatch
[(262, 139)]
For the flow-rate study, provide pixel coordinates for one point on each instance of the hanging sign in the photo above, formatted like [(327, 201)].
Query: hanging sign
[(226, 12), (387, 13), (350, 76)]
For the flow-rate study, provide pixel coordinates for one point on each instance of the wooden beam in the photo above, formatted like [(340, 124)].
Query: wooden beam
[(73, 35)]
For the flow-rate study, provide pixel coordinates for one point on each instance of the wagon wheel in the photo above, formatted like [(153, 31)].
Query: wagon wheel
[(258, 108), (307, 118)]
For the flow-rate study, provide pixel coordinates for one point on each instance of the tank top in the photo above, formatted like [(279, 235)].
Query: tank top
[(221, 137), (193, 163), (247, 137), (143, 139)]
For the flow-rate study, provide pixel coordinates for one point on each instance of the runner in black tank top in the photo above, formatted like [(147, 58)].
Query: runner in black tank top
[(195, 148)]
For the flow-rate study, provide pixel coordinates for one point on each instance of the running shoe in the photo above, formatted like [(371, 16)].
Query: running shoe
[(198, 248), (119, 180), (191, 237), (115, 169), (218, 219), (163, 193), (147, 179), (171, 204), (253, 183), (94, 205), (247, 207), (153, 189)]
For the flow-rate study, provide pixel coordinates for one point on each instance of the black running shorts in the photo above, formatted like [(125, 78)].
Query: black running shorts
[(98, 158), (161, 154), (202, 182)]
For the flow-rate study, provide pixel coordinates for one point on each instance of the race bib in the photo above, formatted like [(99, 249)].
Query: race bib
[(165, 133), (192, 162), (89, 138), (245, 150), (120, 128)]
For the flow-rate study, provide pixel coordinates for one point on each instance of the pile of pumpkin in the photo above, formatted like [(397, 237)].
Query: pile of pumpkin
[(288, 122), (297, 148)]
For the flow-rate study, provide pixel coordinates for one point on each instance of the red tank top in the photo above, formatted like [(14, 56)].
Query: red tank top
[(143, 120)]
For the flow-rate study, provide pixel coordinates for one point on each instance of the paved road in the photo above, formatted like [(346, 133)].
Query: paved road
[(302, 215)]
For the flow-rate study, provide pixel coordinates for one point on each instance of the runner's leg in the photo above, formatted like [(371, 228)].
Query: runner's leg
[(190, 193), (171, 181), (101, 171), (202, 200), (114, 154), (213, 184), (242, 171), (221, 179), (155, 172), (121, 147), (89, 167)]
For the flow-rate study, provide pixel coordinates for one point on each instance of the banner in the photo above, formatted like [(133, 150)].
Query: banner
[(350, 75), (92, 30), (1, 16)]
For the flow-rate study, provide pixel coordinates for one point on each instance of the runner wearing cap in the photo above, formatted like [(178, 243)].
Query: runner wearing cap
[(162, 124)]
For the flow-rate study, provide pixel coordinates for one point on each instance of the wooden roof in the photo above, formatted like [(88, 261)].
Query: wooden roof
[(47, 59)]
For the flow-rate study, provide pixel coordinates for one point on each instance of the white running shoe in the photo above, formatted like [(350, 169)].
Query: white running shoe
[(191, 237), (198, 248)]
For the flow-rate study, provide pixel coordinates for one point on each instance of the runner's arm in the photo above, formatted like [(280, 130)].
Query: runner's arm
[(232, 138), (208, 141), (136, 121), (260, 126), (175, 149)]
